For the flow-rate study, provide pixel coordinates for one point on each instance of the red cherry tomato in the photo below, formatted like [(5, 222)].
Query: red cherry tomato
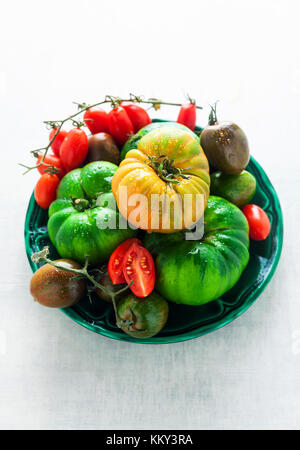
[(56, 144), (138, 115), (259, 222), (54, 161), (120, 126), (45, 190), (187, 115), (96, 119), (138, 266), (115, 263), (74, 149)]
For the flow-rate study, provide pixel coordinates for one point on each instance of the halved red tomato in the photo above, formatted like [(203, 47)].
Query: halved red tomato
[(138, 266), (115, 263)]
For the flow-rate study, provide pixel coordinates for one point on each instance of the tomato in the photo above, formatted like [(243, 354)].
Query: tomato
[(259, 222), (176, 151), (187, 115), (54, 161), (115, 263), (57, 288), (138, 115), (120, 126), (96, 119), (56, 144), (45, 190), (108, 284), (102, 147), (145, 317), (74, 149), (138, 266)]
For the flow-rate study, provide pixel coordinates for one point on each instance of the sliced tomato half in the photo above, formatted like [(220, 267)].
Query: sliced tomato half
[(115, 263), (138, 266)]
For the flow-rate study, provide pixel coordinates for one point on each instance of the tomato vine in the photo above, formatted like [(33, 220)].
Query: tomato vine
[(42, 257), (82, 107)]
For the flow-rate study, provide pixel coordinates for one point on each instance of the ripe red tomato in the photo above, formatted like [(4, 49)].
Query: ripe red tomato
[(56, 144), (96, 119), (120, 126), (45, 190), (54, 161), (259, 222), (115, 263), (138, 115), (187, 115), (74, 149), (138, 266)]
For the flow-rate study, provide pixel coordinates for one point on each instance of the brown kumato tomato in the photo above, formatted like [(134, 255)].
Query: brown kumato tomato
[(57, 288), (107, 283), (102, 147)]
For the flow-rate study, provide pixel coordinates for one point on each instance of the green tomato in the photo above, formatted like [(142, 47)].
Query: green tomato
[(133, 141), (197, 272), (238, 189), (83, 221), (145, 316)]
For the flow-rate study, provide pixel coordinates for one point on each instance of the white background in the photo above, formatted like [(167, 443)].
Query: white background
[(56, 374)]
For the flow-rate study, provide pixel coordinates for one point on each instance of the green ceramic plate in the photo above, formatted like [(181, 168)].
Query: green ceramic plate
[(184, 322)]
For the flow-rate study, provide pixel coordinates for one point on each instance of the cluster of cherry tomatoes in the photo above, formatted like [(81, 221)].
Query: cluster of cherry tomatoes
[(70, 148)]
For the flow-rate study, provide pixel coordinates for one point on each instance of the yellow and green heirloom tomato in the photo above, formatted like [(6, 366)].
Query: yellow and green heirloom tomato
[(169, 164)]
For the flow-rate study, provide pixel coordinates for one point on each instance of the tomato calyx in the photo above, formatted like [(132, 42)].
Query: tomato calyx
[(81, 204), (165, 169), (131, 323), (212, 118)]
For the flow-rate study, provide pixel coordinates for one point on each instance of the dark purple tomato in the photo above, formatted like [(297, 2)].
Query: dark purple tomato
[(102, 147), (56, 288)]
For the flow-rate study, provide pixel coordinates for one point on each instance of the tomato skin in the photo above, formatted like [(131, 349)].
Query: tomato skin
[(54, 161), (56, 144), (138, 266), (138, 115), (74, 149), (115, 263), (57, 288), (148, 316), (187, 115), (45, 190), (96, 119), (259, 222), (120, 126)]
